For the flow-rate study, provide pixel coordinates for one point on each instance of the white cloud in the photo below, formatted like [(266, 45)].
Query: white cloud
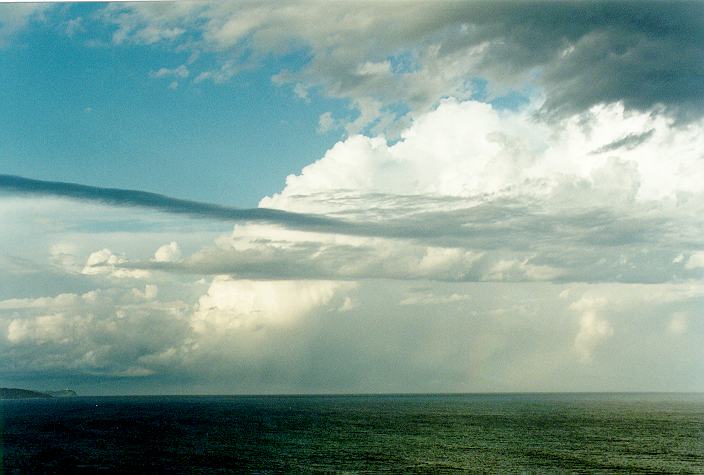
[(178, 72), (232, 304), (168, 253), (104, 262), (593, 329), (347, 305), (513, 270), (99, 332), (73, 26), (428, 298), (15, 17), (221, 74), (42, 329), (150, 292), (678, 323), (465, 149), (326, 122), (58, 302), (695, 261), (147, 25), (63, 254), (301, 92)]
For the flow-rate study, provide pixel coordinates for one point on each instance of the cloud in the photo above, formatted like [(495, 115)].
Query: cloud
[(428, 298), (74, 26), (313, 256), (695, 261), (63, 255), (326, 123), (59, 302), (231, 304), (468, 149), (147, 26), (15, 17), (179, 72), (645, 54), (678, 323), (98, 332), (629, 142), (104, 262), (593, 329), (43, 329), (168, 253)]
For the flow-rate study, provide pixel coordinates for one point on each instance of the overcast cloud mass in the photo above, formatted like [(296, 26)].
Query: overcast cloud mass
[(514, 201)]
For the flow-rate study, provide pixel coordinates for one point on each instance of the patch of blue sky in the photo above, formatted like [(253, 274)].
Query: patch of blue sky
[(404, 62), (513, 100), (509, 100)]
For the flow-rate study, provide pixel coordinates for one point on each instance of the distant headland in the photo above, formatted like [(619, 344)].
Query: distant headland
[(15, 393)]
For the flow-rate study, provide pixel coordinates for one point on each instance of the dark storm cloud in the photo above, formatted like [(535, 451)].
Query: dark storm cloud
[(585, 53)]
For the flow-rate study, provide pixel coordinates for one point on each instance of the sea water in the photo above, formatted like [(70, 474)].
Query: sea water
[(397, 433)]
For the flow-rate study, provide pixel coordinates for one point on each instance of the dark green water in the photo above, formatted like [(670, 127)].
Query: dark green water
[(490, 433)]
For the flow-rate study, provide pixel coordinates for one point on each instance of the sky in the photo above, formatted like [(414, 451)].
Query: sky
[(349, 197)]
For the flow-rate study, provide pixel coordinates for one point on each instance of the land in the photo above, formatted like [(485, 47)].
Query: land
[(15, 393)]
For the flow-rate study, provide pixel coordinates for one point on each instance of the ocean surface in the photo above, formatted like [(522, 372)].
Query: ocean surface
[(397, 433)]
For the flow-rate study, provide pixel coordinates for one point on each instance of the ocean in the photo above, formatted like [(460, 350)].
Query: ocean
[(375, 433)]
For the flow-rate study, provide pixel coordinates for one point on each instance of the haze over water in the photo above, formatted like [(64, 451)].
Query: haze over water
[(498, 432)]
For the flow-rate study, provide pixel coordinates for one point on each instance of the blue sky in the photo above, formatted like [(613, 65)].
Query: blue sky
[(462, 196)]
